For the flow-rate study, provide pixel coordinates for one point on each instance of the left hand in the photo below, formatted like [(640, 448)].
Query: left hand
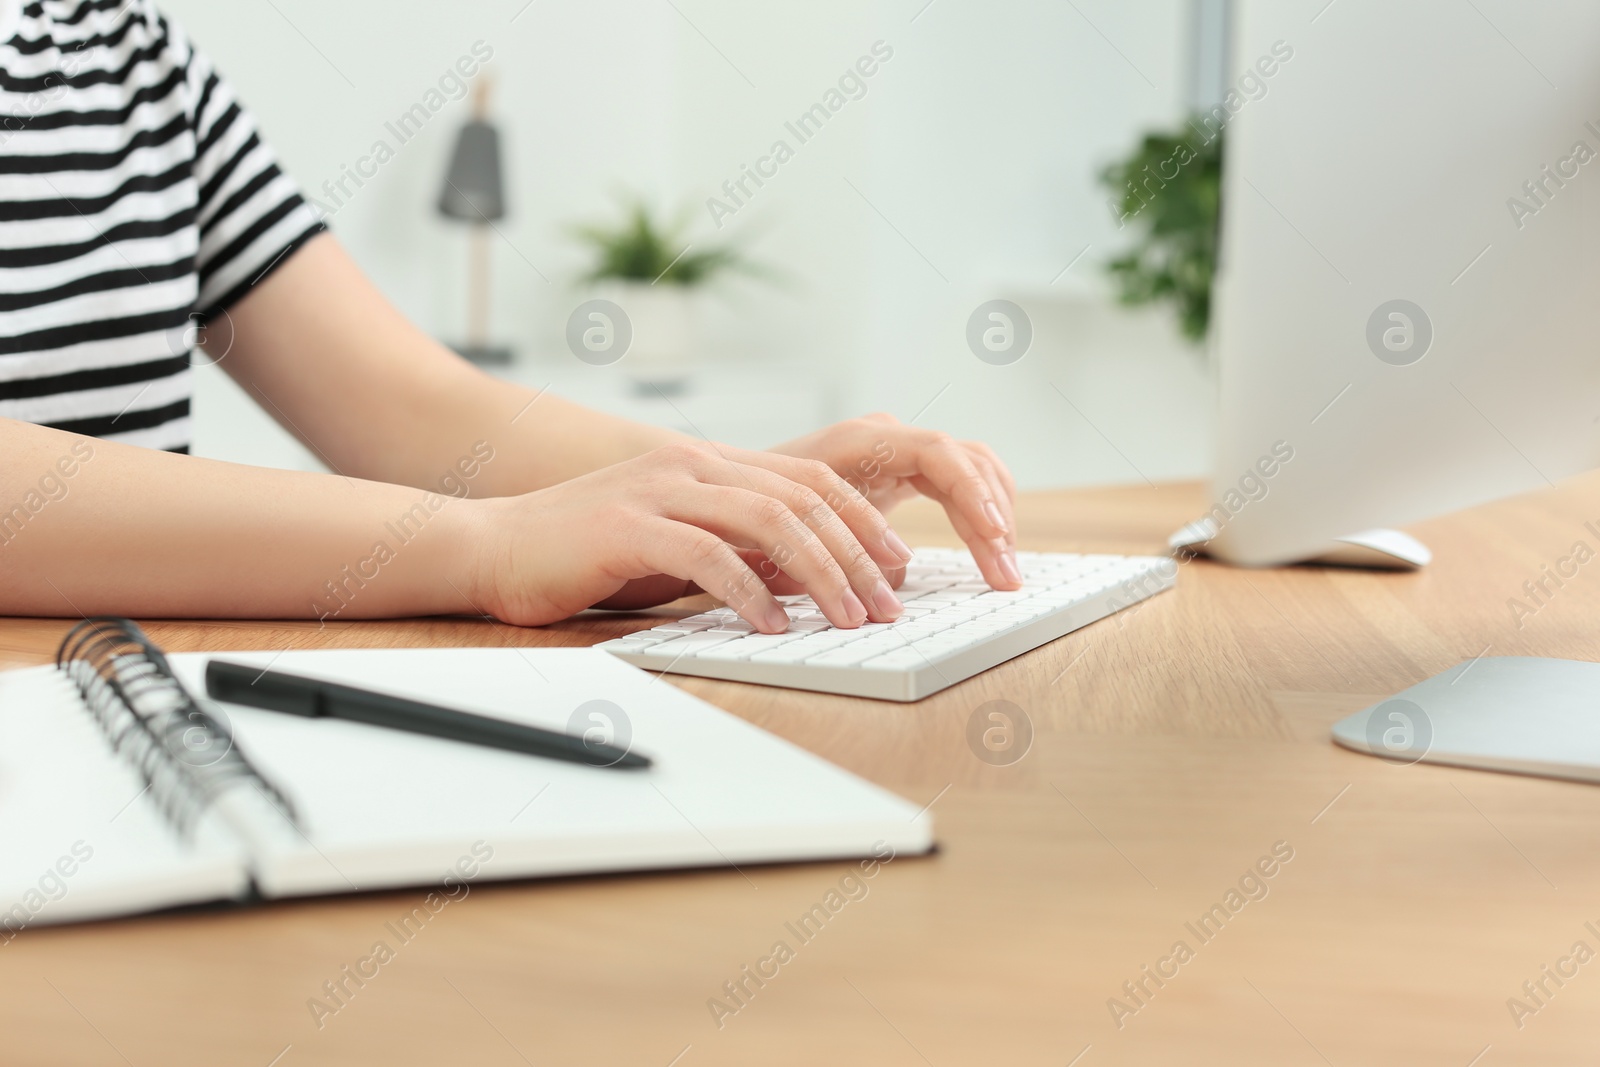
[(889, 461)]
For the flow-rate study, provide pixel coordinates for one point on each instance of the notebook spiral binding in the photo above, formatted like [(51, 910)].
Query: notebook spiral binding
[(185, 755)]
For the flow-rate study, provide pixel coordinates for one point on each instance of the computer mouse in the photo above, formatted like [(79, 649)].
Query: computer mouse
[(1390, 549)]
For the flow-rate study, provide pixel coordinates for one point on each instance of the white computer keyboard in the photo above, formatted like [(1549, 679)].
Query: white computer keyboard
[(954, 626)]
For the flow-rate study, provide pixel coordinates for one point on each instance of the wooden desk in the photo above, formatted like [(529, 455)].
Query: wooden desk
[(1174, 746)]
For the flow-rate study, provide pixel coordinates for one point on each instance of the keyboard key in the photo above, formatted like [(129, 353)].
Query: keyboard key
[(634, 643), (1057, 596), (827, 639), (689, 645), (848, 656), (792, 653), (944, 596), (989, 625), (921, 628), (1002, 596), (730, 651), (867, 629), (748, 645), (650, 637)]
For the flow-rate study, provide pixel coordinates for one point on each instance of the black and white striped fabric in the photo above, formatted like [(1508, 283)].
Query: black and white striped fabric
[(137, 201)]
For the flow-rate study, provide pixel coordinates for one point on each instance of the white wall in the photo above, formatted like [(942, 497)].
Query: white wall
[(985, 156), (978, 142)]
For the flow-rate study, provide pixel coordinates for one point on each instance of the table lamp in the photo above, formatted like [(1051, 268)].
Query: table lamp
[(474, 193)]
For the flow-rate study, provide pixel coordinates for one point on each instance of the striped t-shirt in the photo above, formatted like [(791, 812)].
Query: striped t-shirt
[(137, 201)]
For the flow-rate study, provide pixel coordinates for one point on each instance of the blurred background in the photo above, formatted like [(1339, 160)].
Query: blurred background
[(969, 171)]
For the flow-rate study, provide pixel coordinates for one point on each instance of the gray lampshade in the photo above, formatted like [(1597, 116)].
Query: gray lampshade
[(473, 189)]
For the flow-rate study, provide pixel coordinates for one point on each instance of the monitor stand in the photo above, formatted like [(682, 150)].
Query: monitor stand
[(1379, 549)]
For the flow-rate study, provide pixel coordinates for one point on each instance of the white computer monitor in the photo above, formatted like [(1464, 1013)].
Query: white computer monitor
[(1405, 310)]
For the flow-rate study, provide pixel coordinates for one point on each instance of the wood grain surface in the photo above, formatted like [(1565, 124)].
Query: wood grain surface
[(1174, 747)]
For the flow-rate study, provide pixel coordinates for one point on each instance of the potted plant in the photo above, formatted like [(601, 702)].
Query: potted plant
[(1169, 191), (647, 268)]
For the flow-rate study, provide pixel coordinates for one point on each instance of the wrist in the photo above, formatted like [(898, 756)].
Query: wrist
[(466, 555)]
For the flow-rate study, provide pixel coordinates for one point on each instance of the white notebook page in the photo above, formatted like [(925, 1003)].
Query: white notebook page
[(80, 837), (383, 808)]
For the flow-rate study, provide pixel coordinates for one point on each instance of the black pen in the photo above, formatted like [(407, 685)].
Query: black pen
[(272, 690)]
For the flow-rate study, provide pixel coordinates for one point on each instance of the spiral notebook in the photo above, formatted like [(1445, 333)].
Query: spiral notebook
[(120, 792)]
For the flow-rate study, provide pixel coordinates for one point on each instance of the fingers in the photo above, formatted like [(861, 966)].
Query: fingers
[(837, 536), (1007, 483), (865, 522), (946, 465), (990, 467), (967, 477), (700, 556), (778, 582), (976, 491), (747, 527), (783, 585), (824, 558), (994, 555), (751, 509)]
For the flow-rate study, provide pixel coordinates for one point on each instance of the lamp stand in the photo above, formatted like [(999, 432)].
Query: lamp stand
[(478, 286), (478, 349)]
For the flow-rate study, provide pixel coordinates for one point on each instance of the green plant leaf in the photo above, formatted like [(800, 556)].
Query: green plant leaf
[(1169, 191), (641, 248)]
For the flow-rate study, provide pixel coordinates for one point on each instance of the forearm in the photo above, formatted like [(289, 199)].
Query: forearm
[(92, 527), (322, 351), (484, 436)]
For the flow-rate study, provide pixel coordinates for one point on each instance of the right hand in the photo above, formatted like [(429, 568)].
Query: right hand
[(745, 527)]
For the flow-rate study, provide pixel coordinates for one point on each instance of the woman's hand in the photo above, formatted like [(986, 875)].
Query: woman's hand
[(743, 526), (889, 461)]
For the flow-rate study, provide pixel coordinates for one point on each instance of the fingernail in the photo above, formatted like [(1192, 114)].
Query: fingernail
[(892, 541), (991, 511), (854, 610), (885, 601), (777, 618), (1008, 567)]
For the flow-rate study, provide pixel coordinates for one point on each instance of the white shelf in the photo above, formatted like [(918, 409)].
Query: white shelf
[(746, 403)]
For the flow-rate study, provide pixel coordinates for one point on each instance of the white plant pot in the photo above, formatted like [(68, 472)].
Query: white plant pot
[(666, 347)]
